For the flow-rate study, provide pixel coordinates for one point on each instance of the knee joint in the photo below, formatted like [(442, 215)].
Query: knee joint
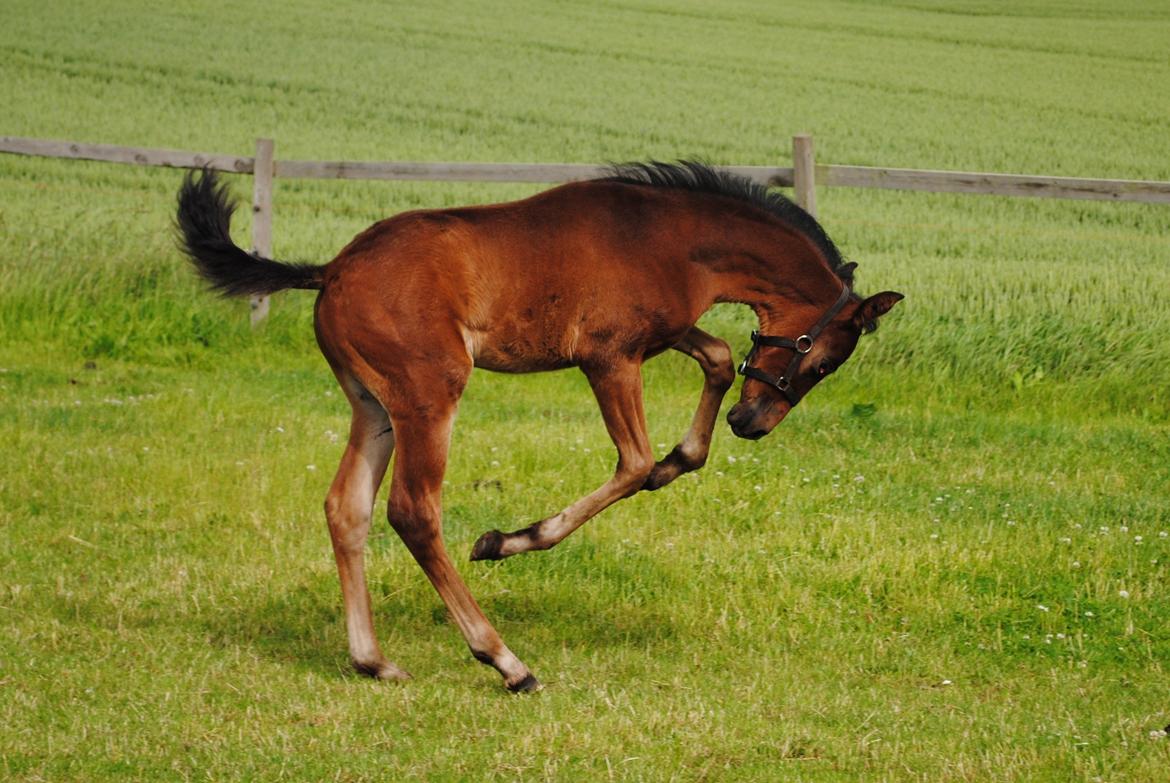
[(412, 523), (636, 468), (720, 366), (342, 515)]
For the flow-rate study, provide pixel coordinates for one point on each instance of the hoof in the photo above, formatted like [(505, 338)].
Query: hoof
[(488, 546), (528, 685), (381, 670)]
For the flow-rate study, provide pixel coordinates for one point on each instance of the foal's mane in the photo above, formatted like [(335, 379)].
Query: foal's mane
[(701, 178)]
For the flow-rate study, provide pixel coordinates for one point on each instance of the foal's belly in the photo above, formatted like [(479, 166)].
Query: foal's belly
[(537, 349), (519, 351)]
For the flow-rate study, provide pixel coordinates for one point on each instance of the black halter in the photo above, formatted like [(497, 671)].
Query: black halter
[(801, 345)]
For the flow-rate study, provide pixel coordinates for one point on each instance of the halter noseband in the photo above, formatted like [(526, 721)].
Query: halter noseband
[(800, 346)]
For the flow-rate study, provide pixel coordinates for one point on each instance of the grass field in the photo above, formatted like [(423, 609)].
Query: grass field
[(949, 564)]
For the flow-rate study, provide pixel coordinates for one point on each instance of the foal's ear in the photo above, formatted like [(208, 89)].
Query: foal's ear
[(875, 307)]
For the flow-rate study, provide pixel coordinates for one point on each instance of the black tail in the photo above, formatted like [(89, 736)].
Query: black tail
[(203, 219)]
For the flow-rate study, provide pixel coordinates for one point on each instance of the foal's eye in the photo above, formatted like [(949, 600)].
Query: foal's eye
[(824, 368)]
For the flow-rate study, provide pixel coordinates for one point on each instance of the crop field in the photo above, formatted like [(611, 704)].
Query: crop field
[(950, 563)]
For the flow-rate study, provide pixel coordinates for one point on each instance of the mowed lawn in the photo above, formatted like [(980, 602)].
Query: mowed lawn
[(949, 563)]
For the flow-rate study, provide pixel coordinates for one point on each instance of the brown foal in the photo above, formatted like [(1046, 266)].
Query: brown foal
[(599, 275)]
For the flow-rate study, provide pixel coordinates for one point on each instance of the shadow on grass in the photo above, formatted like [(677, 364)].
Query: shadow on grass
[(298, 625), (585, 596), (592, 600)]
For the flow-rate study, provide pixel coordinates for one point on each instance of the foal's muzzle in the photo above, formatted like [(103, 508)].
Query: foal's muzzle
[(748, 420)]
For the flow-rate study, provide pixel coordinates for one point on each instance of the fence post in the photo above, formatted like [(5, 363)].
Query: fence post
[(262, 171), (804, 172)]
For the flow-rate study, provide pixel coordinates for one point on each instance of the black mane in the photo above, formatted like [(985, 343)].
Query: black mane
[(701, 178)]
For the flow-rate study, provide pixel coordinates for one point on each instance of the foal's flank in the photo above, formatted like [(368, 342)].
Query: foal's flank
[(600, 275)]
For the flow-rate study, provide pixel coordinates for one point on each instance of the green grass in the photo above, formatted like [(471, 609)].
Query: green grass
[(948, 564)]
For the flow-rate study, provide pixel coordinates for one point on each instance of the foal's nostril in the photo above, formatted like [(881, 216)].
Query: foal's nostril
[(741, 419), (738, 416)]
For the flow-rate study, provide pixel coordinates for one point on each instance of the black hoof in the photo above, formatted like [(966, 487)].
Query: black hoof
[(381, 670), (488, 546), (528, 685)]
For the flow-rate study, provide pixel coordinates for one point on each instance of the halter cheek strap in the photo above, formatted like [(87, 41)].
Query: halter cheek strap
[(800, 346)]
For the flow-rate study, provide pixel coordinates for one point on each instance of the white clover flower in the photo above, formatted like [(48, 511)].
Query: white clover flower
[(310, 467), (1123, 593), (1042, 607)]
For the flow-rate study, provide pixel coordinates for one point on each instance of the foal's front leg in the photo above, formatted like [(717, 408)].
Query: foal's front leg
[(714, 356), (619, 394)]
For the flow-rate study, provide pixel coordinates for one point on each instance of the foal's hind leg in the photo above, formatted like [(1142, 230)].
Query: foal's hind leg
[(347, 509), (415, 514), (714, 357), (619, 394)]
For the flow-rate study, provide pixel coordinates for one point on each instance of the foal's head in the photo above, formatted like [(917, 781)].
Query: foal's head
[(783, 375)]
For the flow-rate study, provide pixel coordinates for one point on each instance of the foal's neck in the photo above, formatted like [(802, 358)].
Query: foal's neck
[(778, 272)]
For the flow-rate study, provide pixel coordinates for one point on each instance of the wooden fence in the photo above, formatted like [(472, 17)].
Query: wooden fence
[(804, 177)]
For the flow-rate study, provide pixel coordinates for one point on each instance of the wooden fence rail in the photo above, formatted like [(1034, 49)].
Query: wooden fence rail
[(804, 177)]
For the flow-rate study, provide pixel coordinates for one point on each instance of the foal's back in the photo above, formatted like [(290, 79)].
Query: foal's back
[(576, 274)]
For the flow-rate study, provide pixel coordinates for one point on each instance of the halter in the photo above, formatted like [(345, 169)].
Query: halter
[(801, 345)]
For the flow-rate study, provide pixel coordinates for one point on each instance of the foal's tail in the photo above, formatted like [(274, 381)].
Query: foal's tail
[(203, 219)]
